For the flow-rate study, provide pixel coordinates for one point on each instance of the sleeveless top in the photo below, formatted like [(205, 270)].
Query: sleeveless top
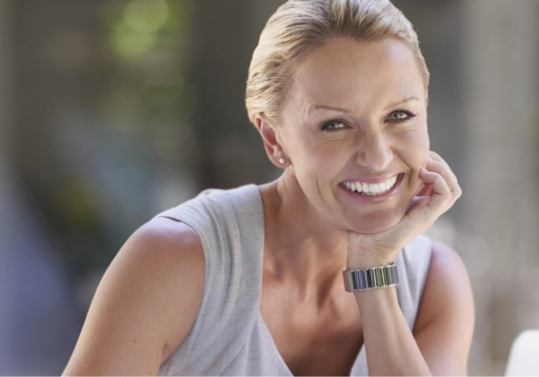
[(229, 336)]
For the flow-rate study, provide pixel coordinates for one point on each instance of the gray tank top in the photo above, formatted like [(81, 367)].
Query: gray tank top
[(229, 336)]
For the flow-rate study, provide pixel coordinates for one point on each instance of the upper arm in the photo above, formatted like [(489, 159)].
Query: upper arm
[(145, 304), (445, 321)]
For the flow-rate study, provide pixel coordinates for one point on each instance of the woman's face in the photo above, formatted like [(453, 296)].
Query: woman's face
[(354, 128)]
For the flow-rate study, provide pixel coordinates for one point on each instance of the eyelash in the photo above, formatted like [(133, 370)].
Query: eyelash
[(325, 124), (408, 114)]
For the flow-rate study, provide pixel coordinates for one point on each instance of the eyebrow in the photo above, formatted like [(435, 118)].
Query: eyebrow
[(343, 110)]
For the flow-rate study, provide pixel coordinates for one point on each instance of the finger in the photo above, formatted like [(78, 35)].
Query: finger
[(435, 156), (418, 219), (438, 165), (425, 190), (443, 170), (441, 195), (415, 202), (423, 211), (442, 167)]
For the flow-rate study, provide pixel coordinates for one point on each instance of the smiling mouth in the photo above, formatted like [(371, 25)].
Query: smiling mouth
[(373, 189)]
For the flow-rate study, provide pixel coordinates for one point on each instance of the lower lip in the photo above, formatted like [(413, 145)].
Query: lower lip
[(376, 198)]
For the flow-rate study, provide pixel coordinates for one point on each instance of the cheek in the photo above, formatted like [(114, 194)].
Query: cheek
[(415, 149), (323, 156), (316, 166)]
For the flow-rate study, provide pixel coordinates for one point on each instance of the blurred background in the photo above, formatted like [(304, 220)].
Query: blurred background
[(113, 110)]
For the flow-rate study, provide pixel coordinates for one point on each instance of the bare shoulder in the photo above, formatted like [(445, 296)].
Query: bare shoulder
[(445, 320), (162, 242), (446, 265), (145, 304)]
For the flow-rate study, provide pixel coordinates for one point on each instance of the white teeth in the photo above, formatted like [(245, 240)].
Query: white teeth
[(371, 189)]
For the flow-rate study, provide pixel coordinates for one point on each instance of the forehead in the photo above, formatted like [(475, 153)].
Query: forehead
[(349, 72)]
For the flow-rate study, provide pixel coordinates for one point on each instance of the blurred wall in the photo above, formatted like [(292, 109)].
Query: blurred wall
[(38, 318), (499, 227), (111, 110)]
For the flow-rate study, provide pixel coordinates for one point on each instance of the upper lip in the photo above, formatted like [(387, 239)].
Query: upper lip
[(371, 179)]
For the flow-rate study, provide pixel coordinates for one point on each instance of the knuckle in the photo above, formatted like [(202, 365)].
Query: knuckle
[(435, 154)]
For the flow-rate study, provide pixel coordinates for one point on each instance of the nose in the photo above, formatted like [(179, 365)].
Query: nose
[(375, 151)]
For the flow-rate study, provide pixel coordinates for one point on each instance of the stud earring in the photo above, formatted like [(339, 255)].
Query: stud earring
[(282, 161)]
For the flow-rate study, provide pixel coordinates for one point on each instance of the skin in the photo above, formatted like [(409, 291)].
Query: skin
[(370, 80), (313, 231), (317, 230)]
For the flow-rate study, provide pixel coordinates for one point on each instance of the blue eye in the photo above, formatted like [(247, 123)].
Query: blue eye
[(400, 115), (333, 125)]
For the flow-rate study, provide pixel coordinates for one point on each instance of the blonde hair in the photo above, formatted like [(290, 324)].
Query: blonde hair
[(299, 25)]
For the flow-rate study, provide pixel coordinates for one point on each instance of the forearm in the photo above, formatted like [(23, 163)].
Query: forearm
[(390, 345)]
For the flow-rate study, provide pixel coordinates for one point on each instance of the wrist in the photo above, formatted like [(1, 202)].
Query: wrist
[(361, 261), (368, 255), (373, 302)]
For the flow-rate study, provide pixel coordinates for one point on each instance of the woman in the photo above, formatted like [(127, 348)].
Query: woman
[(249, 281)]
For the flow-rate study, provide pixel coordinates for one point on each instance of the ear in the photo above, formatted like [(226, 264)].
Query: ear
[(271, 140)]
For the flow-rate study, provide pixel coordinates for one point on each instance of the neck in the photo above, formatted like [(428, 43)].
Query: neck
[(300, 247)]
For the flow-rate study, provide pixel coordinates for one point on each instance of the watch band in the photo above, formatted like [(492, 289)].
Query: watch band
[(370, 278)]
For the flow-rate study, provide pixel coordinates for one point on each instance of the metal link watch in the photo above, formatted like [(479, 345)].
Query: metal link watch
[(370, 278)]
